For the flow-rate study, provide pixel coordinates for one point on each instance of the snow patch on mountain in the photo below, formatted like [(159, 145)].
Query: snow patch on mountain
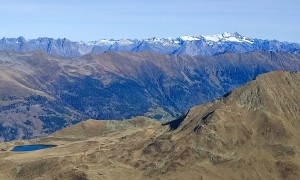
[(228, 37), (190, 38), (191, 45)]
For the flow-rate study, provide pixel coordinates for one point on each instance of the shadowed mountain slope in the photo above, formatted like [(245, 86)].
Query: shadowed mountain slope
[(40, 93), (251, 133)]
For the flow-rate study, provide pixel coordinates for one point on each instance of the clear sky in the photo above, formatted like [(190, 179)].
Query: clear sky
[(96, 19)]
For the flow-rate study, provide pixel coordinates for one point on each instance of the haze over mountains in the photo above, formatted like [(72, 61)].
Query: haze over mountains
[(47, 85), (251, 133), (41, 93), (189, 45)]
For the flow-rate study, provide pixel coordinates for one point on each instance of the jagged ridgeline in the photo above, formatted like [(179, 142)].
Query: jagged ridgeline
[(189, 45)]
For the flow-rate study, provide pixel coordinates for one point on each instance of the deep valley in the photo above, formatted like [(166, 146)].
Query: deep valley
[(251, 133), (40, 93)]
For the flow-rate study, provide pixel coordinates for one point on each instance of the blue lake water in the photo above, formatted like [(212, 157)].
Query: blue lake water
[(31, 147)]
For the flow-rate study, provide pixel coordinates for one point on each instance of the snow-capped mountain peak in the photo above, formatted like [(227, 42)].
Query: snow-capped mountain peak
[(190, 45), (189, 38), (228, 37), (110, 42)]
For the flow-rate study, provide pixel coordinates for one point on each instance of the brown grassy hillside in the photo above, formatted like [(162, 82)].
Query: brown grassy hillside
[(251, 133)]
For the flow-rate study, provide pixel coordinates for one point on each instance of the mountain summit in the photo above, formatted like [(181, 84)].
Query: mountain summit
[(190, 45), (228, 37)]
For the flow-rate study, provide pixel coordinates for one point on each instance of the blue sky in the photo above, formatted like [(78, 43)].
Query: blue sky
[(96, 19)]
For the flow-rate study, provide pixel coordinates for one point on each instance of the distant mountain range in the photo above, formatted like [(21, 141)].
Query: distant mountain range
[(189, 45)]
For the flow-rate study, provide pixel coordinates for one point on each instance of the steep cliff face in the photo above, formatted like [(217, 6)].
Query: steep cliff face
[(41, 93)]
